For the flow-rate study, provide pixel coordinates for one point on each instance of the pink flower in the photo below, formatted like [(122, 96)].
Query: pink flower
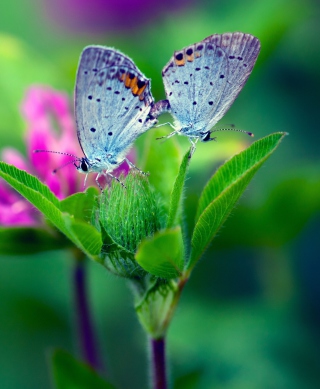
[(44, 109)]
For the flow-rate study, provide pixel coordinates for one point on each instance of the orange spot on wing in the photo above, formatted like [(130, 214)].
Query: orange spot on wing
[(190, 58), (180, 63), (127, 81), (130, 80), (134, 86)]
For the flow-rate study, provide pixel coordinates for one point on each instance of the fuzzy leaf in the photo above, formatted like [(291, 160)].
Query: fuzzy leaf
[(224, 189), (176, 195), (163, 254)]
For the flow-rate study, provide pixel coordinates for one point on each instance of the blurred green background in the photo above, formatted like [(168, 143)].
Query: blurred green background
[(250, 315)]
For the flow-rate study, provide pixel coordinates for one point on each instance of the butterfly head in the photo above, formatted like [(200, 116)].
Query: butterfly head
[(83, 165)]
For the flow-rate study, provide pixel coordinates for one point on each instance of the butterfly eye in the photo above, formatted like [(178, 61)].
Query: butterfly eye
[(206, 137), (84, 165)]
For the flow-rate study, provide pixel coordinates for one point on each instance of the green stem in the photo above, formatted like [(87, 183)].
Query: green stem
[(183, 280)]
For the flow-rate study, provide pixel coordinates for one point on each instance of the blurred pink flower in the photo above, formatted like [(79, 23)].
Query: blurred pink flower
[(50, 126), (43, 108)]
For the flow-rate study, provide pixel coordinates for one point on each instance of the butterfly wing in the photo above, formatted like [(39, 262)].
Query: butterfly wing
[(202, 80), (241, 51), (112, 103)]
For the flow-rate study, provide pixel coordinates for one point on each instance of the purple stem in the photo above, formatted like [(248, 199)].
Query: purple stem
[(83, 318), (158, 364)]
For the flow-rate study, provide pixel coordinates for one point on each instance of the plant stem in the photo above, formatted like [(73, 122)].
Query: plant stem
[(87, 339), (158, 363), (183, 280), (158, 355)]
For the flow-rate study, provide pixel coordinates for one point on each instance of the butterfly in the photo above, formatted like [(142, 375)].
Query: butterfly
[(112, 105), (202, 81)]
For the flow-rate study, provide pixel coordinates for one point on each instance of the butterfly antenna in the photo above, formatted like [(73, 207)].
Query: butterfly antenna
[(56, 152), (61, 153), (233, 129), (68, 163)]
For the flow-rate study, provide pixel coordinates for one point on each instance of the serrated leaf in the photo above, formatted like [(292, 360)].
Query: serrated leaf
[(30, 240), (69, 373), (28, 186), (85, 236), (163, 254), (174, 215), (224, 189)]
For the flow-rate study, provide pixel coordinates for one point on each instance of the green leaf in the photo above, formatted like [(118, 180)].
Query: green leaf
[(174, 216), (30, 187), (84, 235), (80, 205), (69, 373), (163, 254), (30, 240), (162, 158), (270, 223), (224, 189)]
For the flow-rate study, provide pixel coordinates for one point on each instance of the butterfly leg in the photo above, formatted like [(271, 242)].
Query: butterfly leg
[(170, 135), (85, 181), (135, 167), (193, 146), (97, 181), (164, 124), (114, 177)]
